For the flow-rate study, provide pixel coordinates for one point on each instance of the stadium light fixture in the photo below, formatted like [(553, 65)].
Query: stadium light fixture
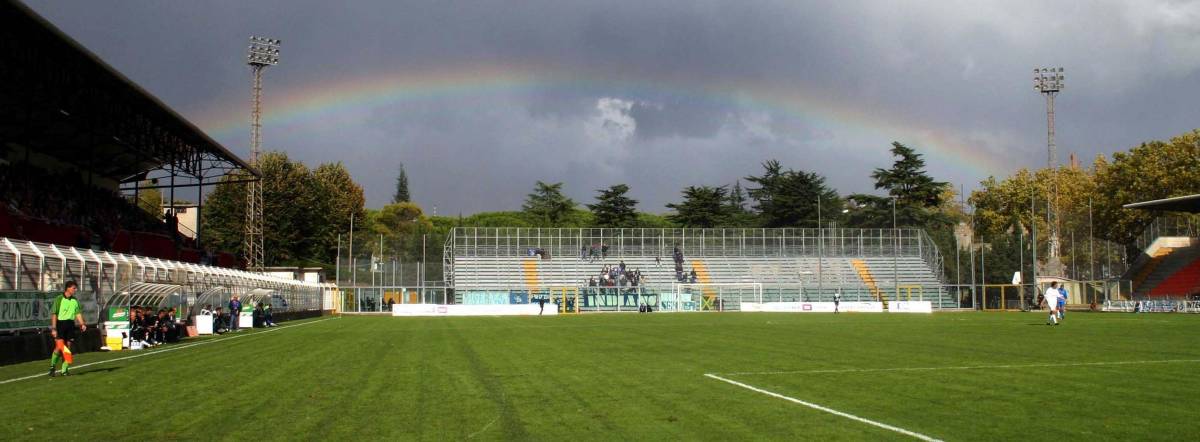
[(1049, 82), (261, 52)]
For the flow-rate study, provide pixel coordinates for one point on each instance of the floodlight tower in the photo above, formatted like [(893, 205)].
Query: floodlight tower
[(262, 52), (1049, 81)]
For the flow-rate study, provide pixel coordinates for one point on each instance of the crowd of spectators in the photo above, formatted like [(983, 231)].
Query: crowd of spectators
[(617, 276)]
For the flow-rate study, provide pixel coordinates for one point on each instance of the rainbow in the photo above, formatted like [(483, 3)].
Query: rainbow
[(324, 100)]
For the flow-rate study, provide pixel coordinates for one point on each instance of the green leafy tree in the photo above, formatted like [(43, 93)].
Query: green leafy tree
[(303, 211), (613, 208), (150, 200), (223, 218), (401, 194), (547, 205), (789, 198), (1152, 170), (342, 199), (290, 202), (702, 206)]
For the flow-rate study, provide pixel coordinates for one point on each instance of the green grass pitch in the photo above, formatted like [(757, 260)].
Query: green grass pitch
[(949, 376)]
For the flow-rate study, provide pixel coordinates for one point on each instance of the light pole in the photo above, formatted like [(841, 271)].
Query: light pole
[(895, 250), (1050, 81), (262, 52), (820, 250)]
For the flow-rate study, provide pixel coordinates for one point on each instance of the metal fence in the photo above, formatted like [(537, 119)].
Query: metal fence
[(112, 279), (1017, 297)]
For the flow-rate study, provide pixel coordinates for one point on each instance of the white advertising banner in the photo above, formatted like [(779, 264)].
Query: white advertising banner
[(910, 307), (473, 310), (204, 324), (812, 307)]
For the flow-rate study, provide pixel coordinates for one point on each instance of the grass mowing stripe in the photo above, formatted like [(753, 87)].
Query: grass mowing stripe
[(961, 367), (181, 347), (826, 409)]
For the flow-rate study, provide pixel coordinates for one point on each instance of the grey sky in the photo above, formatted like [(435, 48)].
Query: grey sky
[(663, 94)]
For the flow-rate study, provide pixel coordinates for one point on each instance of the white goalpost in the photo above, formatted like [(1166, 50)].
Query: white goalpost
[(698, 296)]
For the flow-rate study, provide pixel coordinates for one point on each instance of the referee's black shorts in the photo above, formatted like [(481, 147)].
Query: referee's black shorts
[(66, 330)]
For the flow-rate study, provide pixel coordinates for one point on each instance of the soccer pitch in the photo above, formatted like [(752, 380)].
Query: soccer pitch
[(706, 376)]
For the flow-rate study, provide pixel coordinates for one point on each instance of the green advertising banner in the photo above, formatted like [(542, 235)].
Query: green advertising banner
[(20, 310)]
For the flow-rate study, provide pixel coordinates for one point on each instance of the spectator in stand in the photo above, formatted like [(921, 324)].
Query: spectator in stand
[(692, 276), (622, 264), (583, 253)]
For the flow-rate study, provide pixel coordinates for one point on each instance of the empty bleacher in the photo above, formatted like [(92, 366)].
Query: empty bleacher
[(791, 264), (1175, 274)]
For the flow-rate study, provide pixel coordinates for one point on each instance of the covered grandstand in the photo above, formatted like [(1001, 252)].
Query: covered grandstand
[(1169, 265), (77, 142), (77, 138), (498, 265)]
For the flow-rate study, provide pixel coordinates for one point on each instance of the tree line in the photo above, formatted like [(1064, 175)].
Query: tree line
[(306, 209)]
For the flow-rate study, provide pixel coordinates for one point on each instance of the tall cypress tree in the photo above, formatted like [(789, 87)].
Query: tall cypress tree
[(402, 194)]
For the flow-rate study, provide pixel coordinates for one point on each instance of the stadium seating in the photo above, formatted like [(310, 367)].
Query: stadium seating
[(797, 274), (1167, 273)]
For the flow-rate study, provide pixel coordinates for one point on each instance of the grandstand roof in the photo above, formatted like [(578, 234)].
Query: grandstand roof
[(59, 99), (1189, 203)]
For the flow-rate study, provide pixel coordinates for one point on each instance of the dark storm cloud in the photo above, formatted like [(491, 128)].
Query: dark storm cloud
[(655, 102)]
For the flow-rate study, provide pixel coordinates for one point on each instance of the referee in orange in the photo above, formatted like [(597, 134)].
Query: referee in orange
[(65, 313)]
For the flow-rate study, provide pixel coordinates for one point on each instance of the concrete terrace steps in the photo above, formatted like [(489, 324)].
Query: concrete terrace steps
[(787, 276)]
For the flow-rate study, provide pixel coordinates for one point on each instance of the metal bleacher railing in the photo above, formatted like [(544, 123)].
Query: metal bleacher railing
[(815, 262), (112, 279)]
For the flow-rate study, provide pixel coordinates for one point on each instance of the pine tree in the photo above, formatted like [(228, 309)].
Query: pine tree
[(789, 198), (702, 206), (547, 205), (401, 195), (613, 208), (916, 194)]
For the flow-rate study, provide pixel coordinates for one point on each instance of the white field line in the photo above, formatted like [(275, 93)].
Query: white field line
[(485, 427), (827, 409), (964, 367), (181, 347)]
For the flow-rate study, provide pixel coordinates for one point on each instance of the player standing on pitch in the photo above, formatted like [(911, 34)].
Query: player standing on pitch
[(1051, 300), (1062, 301), (63, 316), (837, 299)]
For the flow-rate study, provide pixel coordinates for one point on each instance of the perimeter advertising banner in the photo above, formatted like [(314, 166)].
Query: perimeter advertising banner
[(812, 307), (21, 310)]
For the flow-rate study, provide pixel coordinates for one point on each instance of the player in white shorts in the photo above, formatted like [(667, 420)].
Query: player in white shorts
[(1051, 299)]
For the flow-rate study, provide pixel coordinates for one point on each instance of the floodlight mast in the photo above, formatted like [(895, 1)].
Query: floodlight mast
[(261, 53), (1050, 81)]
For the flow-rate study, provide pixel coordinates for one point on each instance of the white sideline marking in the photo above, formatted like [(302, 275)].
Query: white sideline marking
[(168, 349), (964, 367), (827, 409), (485, 427)]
